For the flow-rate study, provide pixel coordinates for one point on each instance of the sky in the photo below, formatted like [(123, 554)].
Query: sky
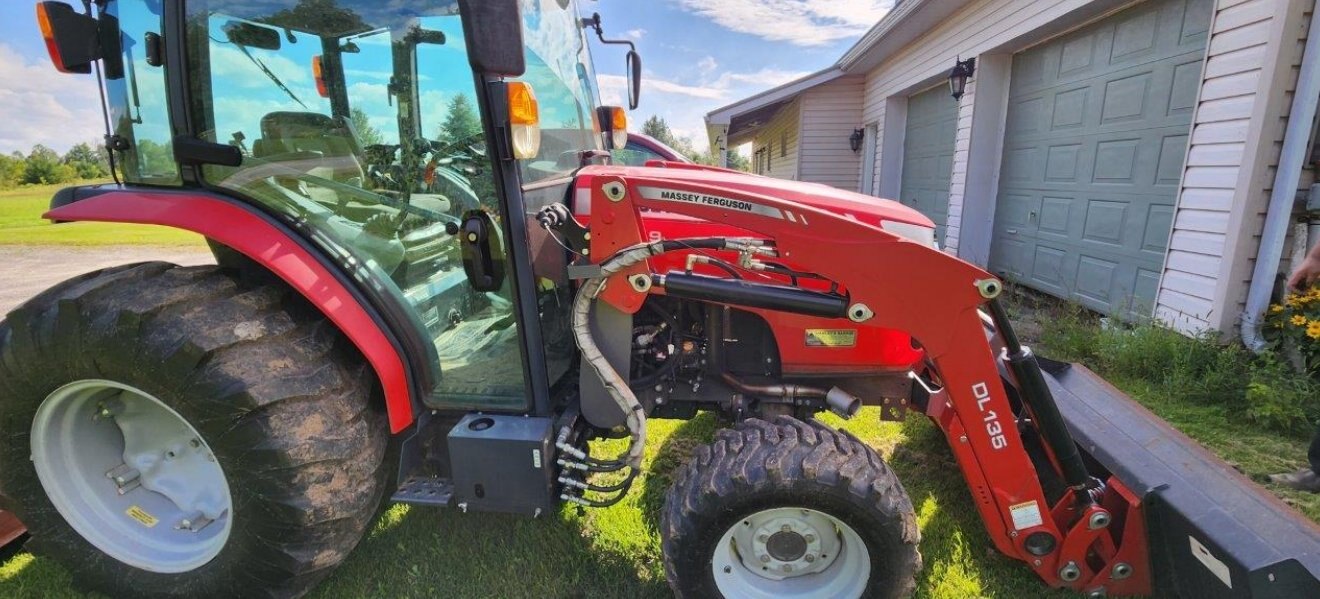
[(697, 55)]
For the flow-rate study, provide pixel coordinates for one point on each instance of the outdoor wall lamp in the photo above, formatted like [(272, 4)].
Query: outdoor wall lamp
[(962, 71), (855, 140)]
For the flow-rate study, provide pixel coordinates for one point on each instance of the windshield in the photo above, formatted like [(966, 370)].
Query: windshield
[(361, 119)]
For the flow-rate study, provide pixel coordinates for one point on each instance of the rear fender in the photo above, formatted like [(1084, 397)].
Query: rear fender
[(255, 236)]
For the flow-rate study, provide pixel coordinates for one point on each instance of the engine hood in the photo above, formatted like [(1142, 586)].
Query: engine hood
[(868, 209)]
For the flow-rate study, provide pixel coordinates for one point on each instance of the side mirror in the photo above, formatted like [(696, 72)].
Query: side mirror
[(493, 29), (634, 79), (71, 38)]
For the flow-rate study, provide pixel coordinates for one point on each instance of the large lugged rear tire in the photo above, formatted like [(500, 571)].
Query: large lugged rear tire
[(791, 508), (259, 382)]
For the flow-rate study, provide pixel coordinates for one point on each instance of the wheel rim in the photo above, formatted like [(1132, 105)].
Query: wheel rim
[(794, 552), (132, 476)]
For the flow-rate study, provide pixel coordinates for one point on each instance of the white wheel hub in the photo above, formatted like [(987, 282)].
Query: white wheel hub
[(131, 476), (791, 551)]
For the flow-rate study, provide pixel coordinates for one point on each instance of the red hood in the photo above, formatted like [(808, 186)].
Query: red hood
[(865, 208)]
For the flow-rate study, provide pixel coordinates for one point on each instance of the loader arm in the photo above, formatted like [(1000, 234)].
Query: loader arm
[(878, 272)]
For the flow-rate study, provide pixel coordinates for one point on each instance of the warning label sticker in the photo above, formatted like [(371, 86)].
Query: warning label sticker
[(141, 516), (1025, 515), (687, 197), (831, 337)]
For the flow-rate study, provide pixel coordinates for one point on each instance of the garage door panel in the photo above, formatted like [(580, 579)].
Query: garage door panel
[(1049, 268), (1096, 138), (1155, 237), (928, 146)]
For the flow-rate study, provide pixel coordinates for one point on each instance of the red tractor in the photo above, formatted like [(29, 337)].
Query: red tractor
[(417, 235)]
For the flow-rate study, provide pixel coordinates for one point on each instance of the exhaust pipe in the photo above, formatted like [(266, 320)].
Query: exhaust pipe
[(839, 401), (842, 402)]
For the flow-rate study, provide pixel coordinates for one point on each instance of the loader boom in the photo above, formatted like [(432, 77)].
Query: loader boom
[(1066, 541)]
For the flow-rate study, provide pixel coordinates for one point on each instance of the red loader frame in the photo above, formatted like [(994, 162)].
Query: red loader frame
[(1086, 539)]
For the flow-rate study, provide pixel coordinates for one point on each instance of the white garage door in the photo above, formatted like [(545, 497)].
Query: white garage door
[(1096, 137)]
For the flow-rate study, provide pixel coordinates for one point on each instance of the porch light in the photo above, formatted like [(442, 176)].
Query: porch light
[(962, 71), (855, 140)]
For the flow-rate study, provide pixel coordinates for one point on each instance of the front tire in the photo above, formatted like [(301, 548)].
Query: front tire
[(788, 508), (262, 389)]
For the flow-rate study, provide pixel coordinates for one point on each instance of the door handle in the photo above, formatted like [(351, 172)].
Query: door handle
[(483, 251), (1012, 231)]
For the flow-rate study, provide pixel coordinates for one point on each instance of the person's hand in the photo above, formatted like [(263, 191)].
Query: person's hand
[(1307, 273)]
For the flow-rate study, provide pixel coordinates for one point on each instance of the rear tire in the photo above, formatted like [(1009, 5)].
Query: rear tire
[(276, 394), (843, 512)]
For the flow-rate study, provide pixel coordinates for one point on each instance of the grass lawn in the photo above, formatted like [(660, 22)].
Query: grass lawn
[(21, 224)]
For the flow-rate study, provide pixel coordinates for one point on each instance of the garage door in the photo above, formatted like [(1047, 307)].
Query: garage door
[(1094, 146), (932, 120)]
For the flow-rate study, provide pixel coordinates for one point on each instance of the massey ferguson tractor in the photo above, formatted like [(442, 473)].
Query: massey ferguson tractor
[(420, 238)]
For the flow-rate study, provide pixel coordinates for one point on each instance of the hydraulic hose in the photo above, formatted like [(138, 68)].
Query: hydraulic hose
[(614, 384)]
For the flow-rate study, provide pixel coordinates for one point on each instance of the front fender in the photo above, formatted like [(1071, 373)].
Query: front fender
[(256, 237)]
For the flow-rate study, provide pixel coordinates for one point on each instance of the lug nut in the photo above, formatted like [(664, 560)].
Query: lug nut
[(810, 538), (763, 537), (765, 558), (786, 528), (788, 567), (810, 558)]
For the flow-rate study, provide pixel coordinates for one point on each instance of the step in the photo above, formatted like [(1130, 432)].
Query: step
[(419, 490)]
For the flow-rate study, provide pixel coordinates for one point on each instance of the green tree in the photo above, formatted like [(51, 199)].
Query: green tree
[(463, 126), (461, 121), (86, 162), (367, 134), (43, 166)]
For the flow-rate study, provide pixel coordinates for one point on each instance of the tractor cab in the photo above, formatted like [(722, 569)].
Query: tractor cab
[(362, 125)]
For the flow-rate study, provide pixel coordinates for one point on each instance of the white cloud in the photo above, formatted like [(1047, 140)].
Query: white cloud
[(45, 106), (635, 33), (799, 22), (616, 86), (763, 79), (707, 64)]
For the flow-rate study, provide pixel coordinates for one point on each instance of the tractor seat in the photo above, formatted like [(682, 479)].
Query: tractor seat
[(329, 143)]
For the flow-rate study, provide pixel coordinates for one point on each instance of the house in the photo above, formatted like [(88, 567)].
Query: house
[(1120, 154)]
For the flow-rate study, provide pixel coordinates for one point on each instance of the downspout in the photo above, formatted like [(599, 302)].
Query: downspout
[(1279, 213)]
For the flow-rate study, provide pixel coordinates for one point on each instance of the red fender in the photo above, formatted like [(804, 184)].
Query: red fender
[(256, 238)]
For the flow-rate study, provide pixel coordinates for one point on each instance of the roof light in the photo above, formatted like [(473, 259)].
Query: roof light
[(524, 120)]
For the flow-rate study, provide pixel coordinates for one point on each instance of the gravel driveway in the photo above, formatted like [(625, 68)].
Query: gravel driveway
[(28, 270)]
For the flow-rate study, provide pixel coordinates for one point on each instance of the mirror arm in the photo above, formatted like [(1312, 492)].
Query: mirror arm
[(594, 23)]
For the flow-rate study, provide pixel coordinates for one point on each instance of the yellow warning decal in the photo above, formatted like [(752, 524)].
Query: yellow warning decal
[(141, 515), (831, 337)]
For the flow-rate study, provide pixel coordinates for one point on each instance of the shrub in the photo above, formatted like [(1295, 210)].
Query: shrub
[(1279, 398)]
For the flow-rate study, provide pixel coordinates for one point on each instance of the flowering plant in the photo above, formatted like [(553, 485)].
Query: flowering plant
[(1295, 325)]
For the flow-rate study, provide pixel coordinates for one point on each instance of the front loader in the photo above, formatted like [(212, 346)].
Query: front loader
[(420, 240)]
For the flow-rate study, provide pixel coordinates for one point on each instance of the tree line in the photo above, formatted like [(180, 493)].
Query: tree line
[(44, 166)]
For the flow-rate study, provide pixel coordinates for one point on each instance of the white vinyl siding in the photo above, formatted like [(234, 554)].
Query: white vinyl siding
[(829, 114), (768, 144), (1249, 72)]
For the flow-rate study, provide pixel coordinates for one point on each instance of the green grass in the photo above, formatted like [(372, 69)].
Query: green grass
[(21, 224)]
